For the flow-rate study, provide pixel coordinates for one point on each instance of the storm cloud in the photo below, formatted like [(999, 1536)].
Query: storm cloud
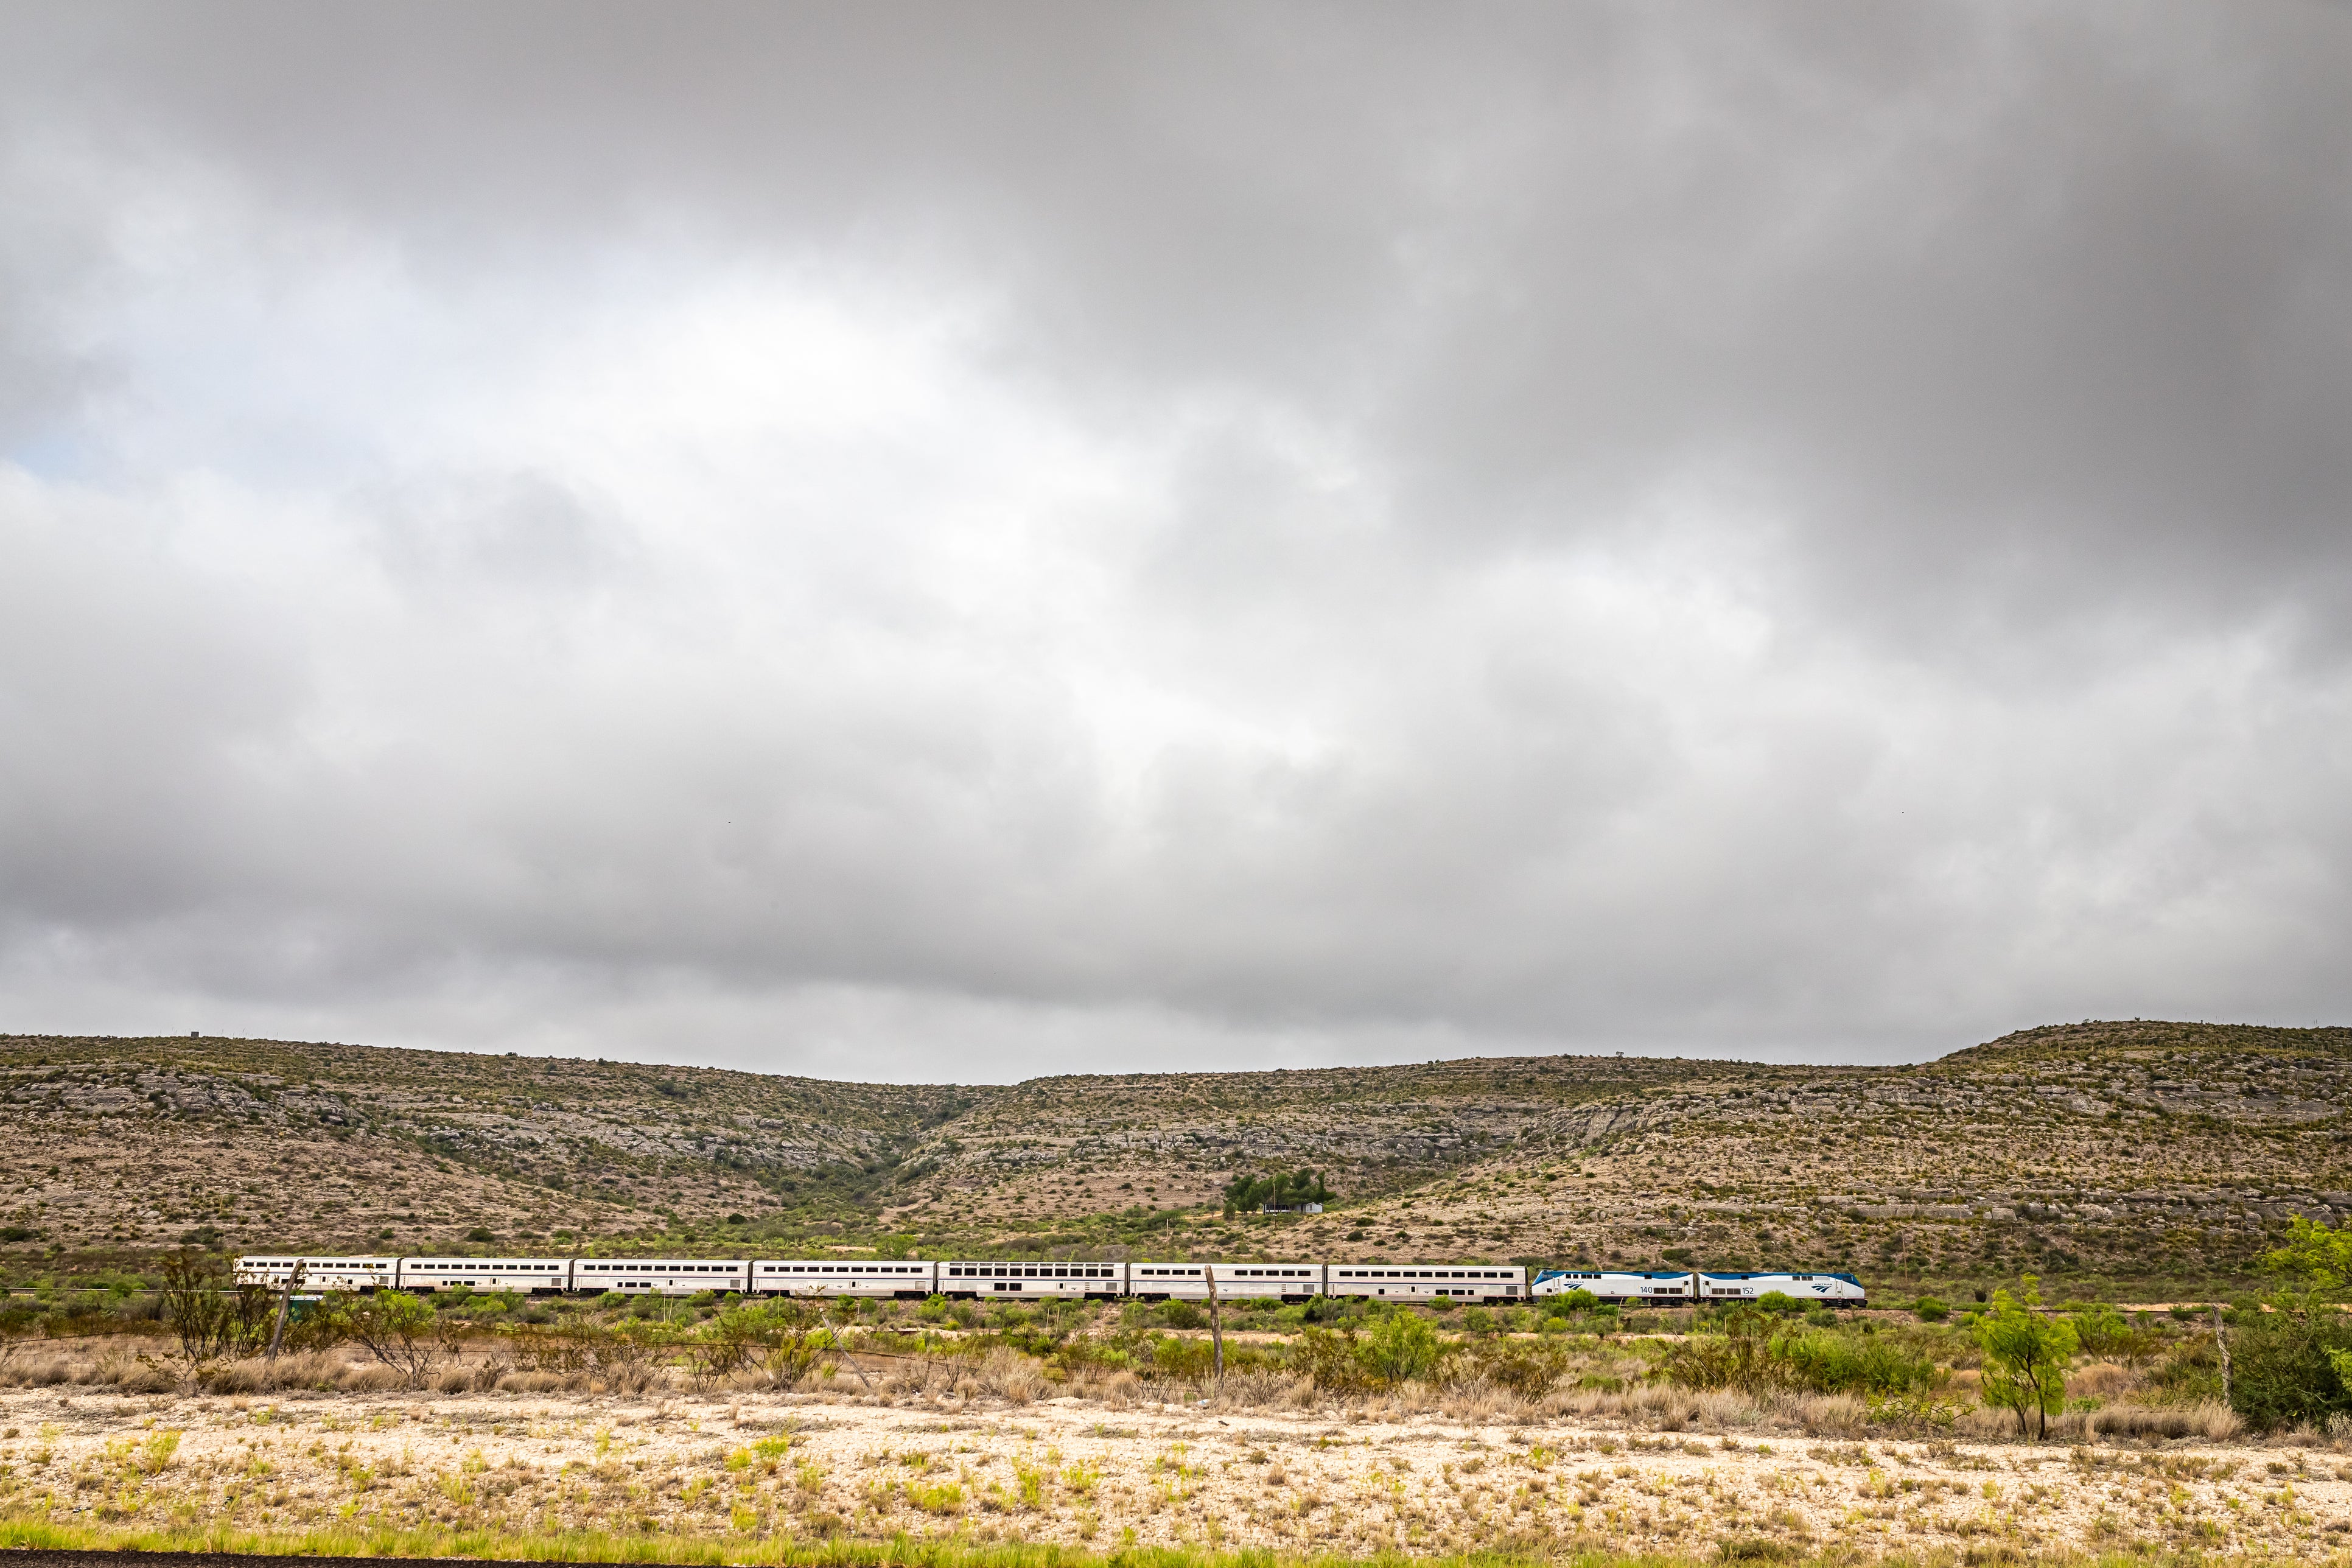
[(954, 543)]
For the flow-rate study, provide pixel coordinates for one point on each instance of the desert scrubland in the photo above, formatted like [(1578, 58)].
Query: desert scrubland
[(2147, 1175), (977, 1446)]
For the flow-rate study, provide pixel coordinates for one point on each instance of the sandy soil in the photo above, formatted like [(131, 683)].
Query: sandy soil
[(1068, 1471)]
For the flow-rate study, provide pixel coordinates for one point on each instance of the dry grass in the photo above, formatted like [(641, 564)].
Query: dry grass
[(1253, 1468)]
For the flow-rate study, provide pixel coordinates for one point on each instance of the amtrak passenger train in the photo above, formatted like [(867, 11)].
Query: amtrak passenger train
[(1028, 1280)]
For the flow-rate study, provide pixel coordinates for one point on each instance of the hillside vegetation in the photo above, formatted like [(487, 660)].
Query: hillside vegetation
[(2155, 1158)]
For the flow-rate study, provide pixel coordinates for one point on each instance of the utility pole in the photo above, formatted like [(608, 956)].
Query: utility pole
[(285, 1306)]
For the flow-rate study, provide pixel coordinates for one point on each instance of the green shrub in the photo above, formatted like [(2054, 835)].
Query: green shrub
[(1180, 1315), (1528, 1369), (1743, 1350), (1780, 1303), (1398, 1348), (1576, 1301), (1187, 1359), (1932, 1310), (2283, 1367), (2100, 1330)]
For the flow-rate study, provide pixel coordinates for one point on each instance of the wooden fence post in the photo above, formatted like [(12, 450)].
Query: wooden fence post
[(285, 1305), (1216, 1324)]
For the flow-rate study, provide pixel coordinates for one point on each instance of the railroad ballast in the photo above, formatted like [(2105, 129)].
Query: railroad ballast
[(1029, 1280)]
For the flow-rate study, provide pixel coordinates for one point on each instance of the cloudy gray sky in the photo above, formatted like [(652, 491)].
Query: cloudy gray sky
[(963, 542)]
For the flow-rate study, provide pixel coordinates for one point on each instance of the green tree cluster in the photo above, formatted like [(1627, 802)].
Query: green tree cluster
[(1282, 1189)]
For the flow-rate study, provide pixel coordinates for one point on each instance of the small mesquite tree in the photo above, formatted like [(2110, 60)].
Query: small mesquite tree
[(211, 1322), (398, 1330), (2026, 1357), (1283, 1189)]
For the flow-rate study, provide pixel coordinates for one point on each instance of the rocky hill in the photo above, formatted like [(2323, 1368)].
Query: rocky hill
[(2156, 1156)]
